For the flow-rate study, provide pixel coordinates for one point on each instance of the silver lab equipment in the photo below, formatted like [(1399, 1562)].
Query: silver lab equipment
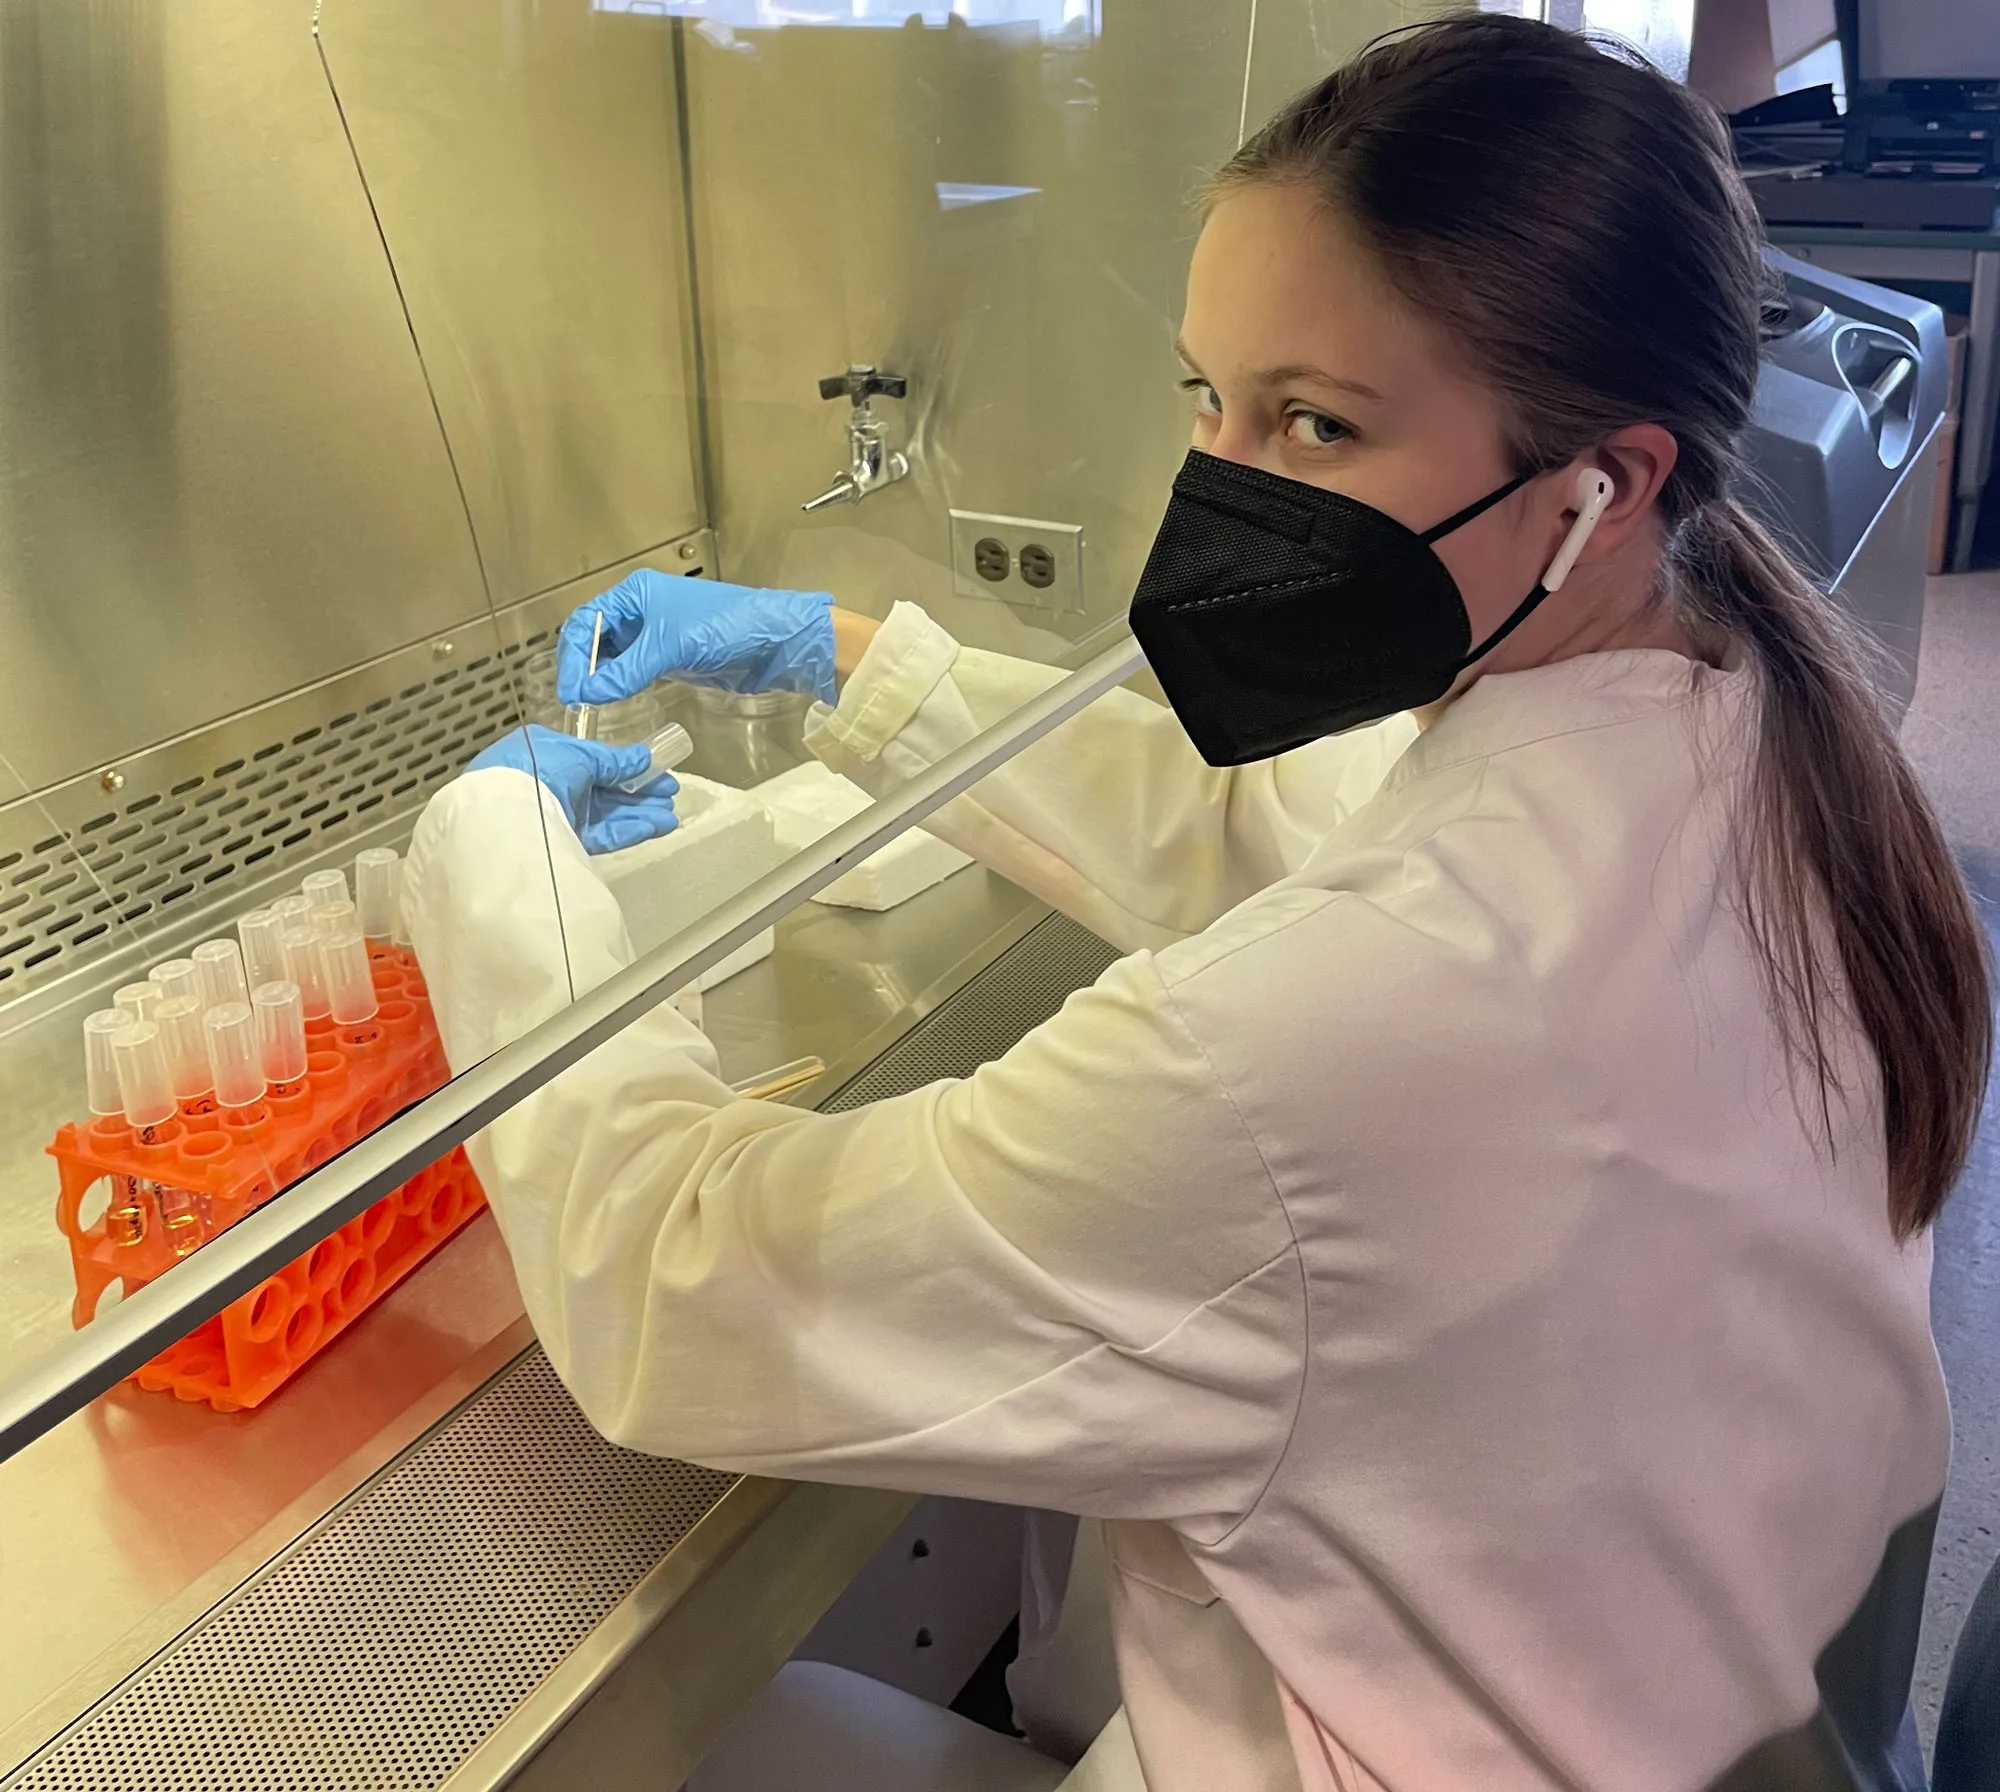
[(1841, 450)]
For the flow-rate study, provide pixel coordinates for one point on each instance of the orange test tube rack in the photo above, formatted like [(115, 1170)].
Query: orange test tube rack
[(357, 1077)]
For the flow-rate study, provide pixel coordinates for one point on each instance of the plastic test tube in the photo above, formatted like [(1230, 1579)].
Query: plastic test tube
[(138, 999), (100, 1070), (125, 1213), (147, 1086), (293, 908), (378, 885), (304, 967), (672, 746), (219, 973), (181, 1032), (144, 1085), (322, 887), (281, 1031), (262, 932), (331, 919), (350, 984), (232, 1054), (176, 978)]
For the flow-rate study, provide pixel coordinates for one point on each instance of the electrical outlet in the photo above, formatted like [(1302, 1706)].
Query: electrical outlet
[(1017, 560)]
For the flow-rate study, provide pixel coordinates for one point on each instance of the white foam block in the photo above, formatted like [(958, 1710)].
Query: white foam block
[(810, 801), (724, 843)]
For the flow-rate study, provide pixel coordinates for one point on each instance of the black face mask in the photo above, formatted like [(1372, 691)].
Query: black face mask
[(1274, 612)]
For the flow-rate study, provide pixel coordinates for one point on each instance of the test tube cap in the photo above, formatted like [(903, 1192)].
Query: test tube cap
[(179, 1021), (304, 966), (378, 886), (176, 979), (281, 1031), (144, 1084), (321, 887), (672, 746), (100, 1069), (139, 1000), (219, 973), (262, 932), (293, 908), (350, 985), (232, 1054)]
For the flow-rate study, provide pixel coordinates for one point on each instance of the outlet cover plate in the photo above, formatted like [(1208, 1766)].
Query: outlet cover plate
[(1018, 560)]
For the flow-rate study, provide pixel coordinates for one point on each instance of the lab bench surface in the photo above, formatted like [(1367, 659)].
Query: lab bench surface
[(150, 1549)]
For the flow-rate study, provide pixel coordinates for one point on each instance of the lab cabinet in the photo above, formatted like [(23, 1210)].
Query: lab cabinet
[(420, 1559), (931, 1602)]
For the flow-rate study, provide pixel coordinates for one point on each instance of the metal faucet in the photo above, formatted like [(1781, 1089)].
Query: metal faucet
[(872, 463)]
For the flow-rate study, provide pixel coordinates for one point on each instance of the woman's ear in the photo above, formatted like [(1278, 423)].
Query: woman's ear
[(1638, 460)]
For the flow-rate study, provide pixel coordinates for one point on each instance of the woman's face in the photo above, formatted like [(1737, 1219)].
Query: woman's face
[(1303, 362)]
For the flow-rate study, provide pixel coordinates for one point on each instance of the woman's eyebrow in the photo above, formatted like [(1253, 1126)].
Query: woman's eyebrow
[(1284, 376), (1318, 376)]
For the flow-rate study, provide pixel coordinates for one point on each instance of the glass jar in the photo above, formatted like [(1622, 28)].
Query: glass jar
[(742, 739)]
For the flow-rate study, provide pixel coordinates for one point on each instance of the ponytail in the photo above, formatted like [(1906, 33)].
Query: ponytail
[(1840, 848), (1574, 222)]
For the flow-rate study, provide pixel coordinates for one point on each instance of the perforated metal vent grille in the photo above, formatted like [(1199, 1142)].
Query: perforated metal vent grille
[(378, 1653), (1014, 994), (198, 819)]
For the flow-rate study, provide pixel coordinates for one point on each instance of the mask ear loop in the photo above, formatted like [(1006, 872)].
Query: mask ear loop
[(1478, 507), (1594, 492)]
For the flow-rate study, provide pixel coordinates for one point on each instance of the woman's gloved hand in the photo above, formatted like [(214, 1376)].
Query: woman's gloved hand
[(583, 775), (735, 637)]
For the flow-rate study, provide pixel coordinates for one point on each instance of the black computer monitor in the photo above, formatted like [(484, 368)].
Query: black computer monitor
[(1930, 41)]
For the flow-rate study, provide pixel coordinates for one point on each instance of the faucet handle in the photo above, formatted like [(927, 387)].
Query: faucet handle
[(859, 384)]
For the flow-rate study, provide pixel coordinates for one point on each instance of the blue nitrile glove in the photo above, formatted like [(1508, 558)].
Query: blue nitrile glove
[(735, 637), (583, 775)]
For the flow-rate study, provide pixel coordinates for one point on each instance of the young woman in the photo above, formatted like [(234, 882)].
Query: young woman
[(1473, 1251)]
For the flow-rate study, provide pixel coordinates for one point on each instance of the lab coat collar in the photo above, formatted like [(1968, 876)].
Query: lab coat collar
[(1593, 690)]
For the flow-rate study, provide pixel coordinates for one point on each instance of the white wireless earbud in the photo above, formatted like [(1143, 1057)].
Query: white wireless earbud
[(1593, 494)]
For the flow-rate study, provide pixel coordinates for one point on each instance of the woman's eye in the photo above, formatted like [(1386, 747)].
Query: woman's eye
[(1207, 401), (1313, 429)]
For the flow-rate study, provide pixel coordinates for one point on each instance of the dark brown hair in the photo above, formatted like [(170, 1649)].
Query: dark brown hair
[(1573, 220)]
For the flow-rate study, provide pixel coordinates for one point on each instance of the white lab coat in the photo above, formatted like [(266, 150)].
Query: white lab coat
[(1419, 1246)]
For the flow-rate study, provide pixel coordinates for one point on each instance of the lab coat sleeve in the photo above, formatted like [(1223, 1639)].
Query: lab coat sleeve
[(1114, 818), (1018, 1287)]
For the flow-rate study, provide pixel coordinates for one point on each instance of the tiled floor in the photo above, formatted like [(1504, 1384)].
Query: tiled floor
[(1953, 735)]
